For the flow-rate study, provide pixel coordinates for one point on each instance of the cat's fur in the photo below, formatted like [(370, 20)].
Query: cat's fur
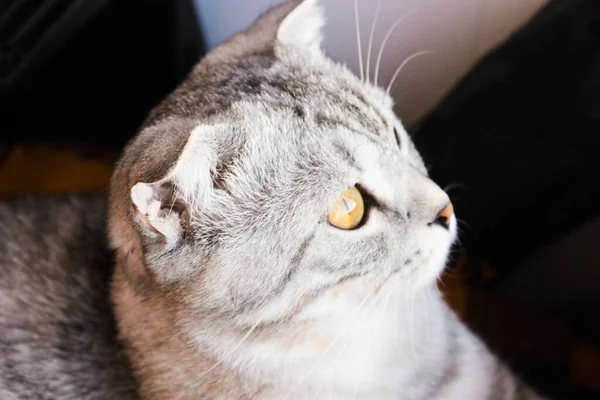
[(57, 332), (229, 281)]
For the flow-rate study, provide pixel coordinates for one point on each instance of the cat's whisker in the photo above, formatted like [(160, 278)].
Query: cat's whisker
[(403, 64), (328, 349), (224, 358), (316, 393), (374, 331), (354, 149), (458, 241), (440, 281), (171, 192), (383, 42), (411, 326), (357, 21), (338, 358), (371, 38), (343, 349), (425, 293), (460, 221), (453, 186)]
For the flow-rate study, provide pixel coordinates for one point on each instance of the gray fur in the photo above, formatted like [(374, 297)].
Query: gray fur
[(57, 333), (218, 220)]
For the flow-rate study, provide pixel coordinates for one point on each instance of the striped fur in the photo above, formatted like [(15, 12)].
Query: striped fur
[(229, 283)]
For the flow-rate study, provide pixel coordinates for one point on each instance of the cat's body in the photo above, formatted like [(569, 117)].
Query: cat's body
[(57, 330), (232, 278)]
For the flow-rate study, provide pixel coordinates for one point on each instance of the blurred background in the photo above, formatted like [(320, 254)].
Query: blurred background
[(459, 31), (506, 113)]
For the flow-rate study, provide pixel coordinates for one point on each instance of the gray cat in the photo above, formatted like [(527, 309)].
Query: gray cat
[(58, 338), (275, 236)]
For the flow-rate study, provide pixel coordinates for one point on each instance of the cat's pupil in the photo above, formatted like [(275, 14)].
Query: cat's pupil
[(397, 137)]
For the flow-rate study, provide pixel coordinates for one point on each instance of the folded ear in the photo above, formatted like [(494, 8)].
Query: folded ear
[(159, 211), (302, 27), (162, 208)]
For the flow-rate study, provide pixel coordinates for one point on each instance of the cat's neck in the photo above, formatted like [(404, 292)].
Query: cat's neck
[(367, 345)]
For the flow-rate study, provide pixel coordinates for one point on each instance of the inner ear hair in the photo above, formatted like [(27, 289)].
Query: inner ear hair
[(160, 211), (170, 201)]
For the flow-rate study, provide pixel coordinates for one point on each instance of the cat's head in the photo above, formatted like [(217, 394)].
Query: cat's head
[(229, 198)]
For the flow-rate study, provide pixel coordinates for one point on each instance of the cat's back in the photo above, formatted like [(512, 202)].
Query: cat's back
[(57, 333)]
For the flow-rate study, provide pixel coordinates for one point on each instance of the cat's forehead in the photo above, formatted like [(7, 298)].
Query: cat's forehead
[(324, 93), (306, 111), (280, 79)]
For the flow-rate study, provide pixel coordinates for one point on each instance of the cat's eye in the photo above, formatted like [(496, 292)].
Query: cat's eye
[(348, 211)]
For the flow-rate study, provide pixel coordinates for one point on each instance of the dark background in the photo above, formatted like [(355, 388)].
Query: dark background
[(90, 70)]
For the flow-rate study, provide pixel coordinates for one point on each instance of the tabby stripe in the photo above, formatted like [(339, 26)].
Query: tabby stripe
[(297, 260)]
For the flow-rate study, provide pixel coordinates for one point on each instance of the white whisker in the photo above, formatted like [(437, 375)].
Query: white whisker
[(172, 191), (383, 42), (233, 350), (371, 39), (425, 293), (373, 333), (354, 149), (464, 223), (328, 349), (360, 61), (411, 324), (337, 361), (406, 61), (453, 186), (440, 280)]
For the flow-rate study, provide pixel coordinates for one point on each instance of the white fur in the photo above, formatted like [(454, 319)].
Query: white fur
[(191, 173), (149, 207), (302, 27), (141, 196), (357, 349)]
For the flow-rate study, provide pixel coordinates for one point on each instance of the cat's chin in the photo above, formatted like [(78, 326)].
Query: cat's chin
[(430, 260)]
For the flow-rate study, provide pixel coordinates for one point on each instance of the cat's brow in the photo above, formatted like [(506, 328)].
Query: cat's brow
[(364, 100), (374, 201), (346, 155)]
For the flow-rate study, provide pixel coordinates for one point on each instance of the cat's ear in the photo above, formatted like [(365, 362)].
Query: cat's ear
[(159, 211), (293, 23), (163, 208), (302, 27)]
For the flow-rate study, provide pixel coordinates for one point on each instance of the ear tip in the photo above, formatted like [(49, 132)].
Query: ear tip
[(141, 196), (139, 191), (314, 9), (302, 26)]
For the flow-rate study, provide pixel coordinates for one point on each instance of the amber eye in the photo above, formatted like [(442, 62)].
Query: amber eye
[(349, 210)]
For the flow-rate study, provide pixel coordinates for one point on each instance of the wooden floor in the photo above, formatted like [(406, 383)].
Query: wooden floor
[(53, 169), (525, 337)]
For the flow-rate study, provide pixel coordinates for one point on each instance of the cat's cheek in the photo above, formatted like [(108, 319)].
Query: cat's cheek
[(436, 258), (428, 249)]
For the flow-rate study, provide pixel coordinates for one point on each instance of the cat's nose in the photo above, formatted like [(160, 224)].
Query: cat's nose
[(444, 215)]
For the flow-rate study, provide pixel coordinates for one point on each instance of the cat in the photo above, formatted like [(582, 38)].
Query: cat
[(275, 236), (58, 337)]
